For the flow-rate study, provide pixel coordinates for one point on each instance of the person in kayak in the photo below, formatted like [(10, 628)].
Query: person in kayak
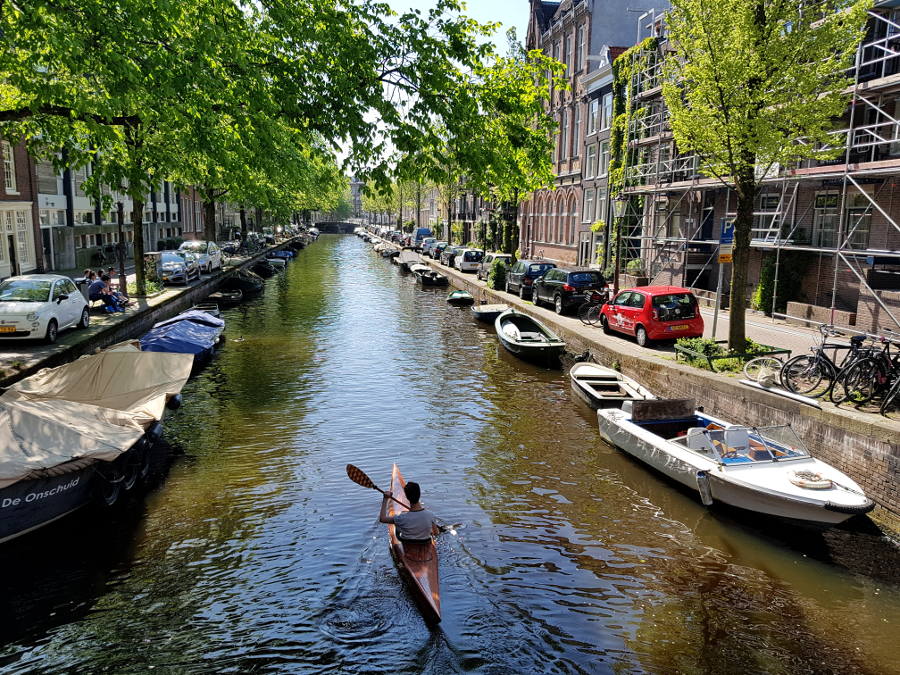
[(416, 525)]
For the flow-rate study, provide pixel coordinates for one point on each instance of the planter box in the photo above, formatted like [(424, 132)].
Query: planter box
[(632, 281)]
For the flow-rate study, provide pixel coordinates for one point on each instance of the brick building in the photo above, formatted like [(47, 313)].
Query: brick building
[(19, 234)]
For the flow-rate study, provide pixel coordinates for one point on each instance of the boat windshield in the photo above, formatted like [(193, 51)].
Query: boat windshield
[(743, 445)]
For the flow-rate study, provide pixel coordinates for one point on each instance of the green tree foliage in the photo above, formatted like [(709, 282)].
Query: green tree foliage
[(754, 85)]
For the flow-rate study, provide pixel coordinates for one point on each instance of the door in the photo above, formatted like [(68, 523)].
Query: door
[(59, 307), (75, 301), (13, 256), (633, 310)]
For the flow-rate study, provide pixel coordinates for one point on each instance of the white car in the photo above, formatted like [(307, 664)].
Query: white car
[(39, 306), (468, 260), (208, 253), (484, 269)]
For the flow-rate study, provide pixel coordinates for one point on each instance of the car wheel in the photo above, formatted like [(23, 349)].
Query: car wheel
[(85, 319), (558, 304), (52, 332), (604, 324), (640, 334)]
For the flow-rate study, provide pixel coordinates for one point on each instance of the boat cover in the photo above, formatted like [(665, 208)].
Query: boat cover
[(195, 315), (122, 378), (188, 335), (41, 434), (409, 257)]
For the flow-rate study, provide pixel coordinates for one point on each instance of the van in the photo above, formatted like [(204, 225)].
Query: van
[(419, 234)]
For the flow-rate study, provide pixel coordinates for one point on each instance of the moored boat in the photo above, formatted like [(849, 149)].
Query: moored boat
[(190, 332), (82, 433), (602, 387), (418, 562), (407, 259), (766, 470), (224, 298), (488, 312), (527, 337), (460, 298)]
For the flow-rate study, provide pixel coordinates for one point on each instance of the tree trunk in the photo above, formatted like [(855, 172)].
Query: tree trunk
[(243, 225), (137, 225), (743, 223), (209, 216), (510, 212)]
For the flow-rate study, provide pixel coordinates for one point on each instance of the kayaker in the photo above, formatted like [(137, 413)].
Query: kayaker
[(417, 524)]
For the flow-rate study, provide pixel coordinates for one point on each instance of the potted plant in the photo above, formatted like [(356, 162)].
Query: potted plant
[(635, 274)]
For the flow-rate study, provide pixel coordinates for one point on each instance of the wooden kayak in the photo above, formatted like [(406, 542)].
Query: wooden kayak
[(417, 562)]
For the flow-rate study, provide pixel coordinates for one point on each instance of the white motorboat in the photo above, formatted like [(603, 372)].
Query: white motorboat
[(602, 387), (766, 470)]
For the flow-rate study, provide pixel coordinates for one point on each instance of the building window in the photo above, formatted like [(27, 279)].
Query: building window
[(859, 220), (8, 217), (593, 111), (606, 111), (590, 169), (576, 138), (568, 54), (45, 217), (9, 167), (601, 204), (588, 211), (579, 48), (603, 167), (22, 236), (825, 219), (563, 128)]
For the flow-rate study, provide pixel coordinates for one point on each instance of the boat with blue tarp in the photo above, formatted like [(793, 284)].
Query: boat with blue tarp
[(192, 332)]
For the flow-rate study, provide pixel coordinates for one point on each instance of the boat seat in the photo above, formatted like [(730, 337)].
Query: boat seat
[(698, 441), (531, 336)]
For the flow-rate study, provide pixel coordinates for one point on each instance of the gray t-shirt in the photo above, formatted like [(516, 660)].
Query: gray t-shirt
[(414, 524)]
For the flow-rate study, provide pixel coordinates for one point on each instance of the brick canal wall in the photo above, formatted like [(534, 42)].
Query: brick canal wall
[(138, 321), (864, 446)]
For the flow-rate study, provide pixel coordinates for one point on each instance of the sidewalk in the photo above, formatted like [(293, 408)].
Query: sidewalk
[(764, 330)]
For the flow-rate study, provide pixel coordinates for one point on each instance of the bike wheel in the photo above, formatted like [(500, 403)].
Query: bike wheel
[(583, 310), (890, 406), (807, 375), (856, 383), (593, 315), (762, 368)]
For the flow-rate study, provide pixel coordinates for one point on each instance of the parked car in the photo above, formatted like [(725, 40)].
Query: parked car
[(209, 255), (566, 287), (468, 260), (437, 248), (179, 267), (419, 235), (484, 269), (426, 244), (521, 276), (38, 306), (448, 255), (653, 313)]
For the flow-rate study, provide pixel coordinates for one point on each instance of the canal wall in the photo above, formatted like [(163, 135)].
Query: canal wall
[(138, 320), (865, 446)]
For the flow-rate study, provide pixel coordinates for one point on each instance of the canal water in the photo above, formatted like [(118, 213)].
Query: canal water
[(258, 554)]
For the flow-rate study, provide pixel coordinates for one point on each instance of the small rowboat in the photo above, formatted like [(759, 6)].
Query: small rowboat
[(601, 387), (429, 277), (226, 298), (488, 312), (417, 562), (460, 298), (527, 337)]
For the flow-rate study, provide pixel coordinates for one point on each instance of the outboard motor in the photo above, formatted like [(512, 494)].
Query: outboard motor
[(154, 433)]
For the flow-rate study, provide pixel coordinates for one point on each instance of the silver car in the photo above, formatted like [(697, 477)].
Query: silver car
[(179, 267), (208, 253)]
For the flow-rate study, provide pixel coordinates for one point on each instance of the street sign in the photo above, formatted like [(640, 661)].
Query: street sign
[(726, 235), (725, 253)]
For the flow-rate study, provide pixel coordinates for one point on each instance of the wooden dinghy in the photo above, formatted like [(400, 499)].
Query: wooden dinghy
[(460, 298), (417, 562), (429, 277), (527, 337), (602, 387), (488, 312)]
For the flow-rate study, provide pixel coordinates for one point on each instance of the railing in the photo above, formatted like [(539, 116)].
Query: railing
[(673, 170), (647, 126)]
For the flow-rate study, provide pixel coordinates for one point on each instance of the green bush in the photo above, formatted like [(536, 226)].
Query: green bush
[(709, 347), (634, 267), (151, 286), (497, 275), (792, 267)]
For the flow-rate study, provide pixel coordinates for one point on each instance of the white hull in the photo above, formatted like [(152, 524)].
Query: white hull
[(759, 487), (602, 387)]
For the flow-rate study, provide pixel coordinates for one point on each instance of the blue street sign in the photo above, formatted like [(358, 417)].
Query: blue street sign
[(726, 236)]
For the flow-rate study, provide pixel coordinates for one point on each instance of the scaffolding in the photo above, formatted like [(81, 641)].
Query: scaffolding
[(678, 227)]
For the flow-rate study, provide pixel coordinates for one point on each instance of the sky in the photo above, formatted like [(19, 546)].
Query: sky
[(511, 13)]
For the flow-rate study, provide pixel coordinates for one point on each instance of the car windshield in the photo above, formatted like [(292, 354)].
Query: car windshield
[(196, 246), (472, 256), (172, 258), (540, 267), (24, 290), (585, 278)]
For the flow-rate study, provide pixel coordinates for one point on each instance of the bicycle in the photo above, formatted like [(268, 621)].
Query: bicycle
[(814, 374), (890, 405), (764, 369), (868, 377), (589, 310)]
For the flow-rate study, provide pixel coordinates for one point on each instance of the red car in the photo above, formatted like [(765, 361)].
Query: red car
[(653, 313)]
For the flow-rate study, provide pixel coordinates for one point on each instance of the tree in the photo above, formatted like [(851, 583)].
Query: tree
[(754, 85)]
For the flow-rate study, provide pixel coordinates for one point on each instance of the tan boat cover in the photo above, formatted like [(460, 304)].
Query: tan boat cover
[(96, 407), (42, 434), (123, 378)]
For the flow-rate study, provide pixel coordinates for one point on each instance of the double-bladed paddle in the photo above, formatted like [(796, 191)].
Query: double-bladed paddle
[(360, 478)]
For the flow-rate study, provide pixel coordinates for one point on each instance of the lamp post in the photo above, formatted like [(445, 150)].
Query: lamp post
[(620, 203)]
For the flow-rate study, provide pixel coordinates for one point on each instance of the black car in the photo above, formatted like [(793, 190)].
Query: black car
[(448, 255), (566, 287), (521, 276)]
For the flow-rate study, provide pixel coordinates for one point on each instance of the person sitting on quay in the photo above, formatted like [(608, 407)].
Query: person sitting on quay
[(123, 299), (99, 290)]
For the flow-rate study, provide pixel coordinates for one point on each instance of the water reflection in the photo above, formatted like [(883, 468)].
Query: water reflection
[(258, 553)]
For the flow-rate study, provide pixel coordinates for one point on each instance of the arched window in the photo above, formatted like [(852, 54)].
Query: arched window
[(573, 218)]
